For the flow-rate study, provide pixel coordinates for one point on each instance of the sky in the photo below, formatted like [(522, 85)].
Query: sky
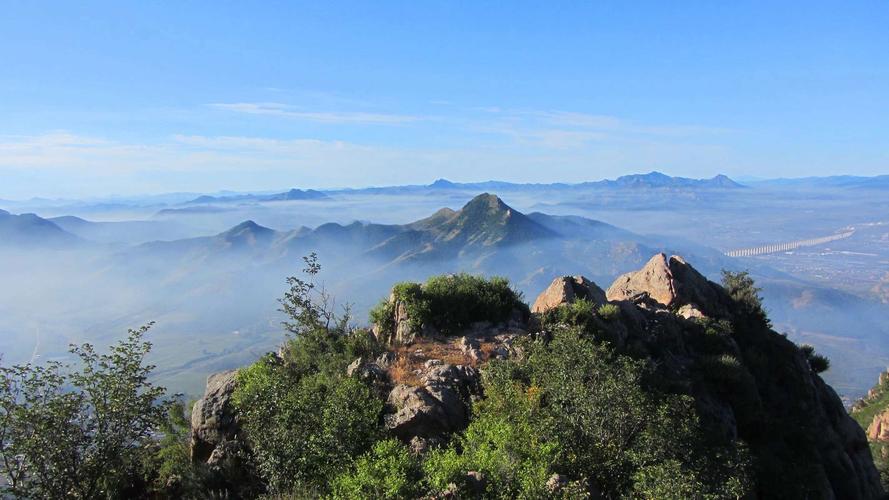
[(112, 98)]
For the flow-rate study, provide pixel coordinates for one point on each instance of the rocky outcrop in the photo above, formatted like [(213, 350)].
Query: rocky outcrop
[(565, 290), (673, 284), (878, 430), (213, 418), (774, 381), (439, 407)]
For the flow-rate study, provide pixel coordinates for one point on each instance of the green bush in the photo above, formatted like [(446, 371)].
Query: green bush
[(601, 416), (580, 313), (304, 419), (743, 290), (450, 303), (503, 443), (609, 312), (305, 429), (83, 431), (817, 362), (389, 471)]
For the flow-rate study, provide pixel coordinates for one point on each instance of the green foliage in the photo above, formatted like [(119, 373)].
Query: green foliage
[(743, 290), (172, 472), (81, 432), (575, 406), (609, 312), (303, 418), (580, 313), (451, 303), (817, 362), (304, 429), (502, 443), (389, 471)]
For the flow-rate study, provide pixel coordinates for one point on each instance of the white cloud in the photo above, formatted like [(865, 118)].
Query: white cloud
[(332, 117)]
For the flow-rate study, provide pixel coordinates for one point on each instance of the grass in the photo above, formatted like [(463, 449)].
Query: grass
[(864, 416)]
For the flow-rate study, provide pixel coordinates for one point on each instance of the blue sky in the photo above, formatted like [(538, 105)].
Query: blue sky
[(100, 98)]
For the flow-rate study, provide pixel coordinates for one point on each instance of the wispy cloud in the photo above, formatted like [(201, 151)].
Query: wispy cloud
[(575, 130), (333, 117)]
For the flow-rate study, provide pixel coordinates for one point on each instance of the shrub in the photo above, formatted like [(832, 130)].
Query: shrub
[(304, 430), (742, 289), (602, 416), (81, 432), (580, 313), (450, 303), (609, 312), (303, 418), (388, 471), (817, 362)]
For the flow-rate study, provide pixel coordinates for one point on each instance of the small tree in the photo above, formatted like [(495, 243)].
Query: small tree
[(308, 307), (79, 432), (817, 362), (743, 290)]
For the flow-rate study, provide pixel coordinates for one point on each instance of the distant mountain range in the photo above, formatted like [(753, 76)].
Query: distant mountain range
[(478, 233), (651, 180), (832, 182), (293, 194), (29, 230)]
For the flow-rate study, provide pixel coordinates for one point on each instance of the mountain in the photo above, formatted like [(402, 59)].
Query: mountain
[(651, 180), (657, 180), (666, 367), (872, 413), (29, 230), (293, 194), (485, 223)]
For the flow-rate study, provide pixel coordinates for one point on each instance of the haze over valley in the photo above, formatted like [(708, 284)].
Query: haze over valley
[(208, 268)]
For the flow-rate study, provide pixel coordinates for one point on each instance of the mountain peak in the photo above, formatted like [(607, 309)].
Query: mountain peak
[(486, 201), (486, 220), (442, 184), (247, 229)]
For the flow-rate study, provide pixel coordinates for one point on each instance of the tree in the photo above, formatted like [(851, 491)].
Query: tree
[(743, 290), (304, 419), (80, 432)]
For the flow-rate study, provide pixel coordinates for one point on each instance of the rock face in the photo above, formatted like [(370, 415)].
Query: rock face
[(673, 284), (439, 407), (774, 378), (213, 419), (565, 290)]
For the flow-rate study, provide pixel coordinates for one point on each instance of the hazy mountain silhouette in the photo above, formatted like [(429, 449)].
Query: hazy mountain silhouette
[(29, 230)]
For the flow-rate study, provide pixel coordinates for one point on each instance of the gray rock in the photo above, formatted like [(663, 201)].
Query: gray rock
[(439, 407), (213, 417)]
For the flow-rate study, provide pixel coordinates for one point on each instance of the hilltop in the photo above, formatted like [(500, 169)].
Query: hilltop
[(663, 385)]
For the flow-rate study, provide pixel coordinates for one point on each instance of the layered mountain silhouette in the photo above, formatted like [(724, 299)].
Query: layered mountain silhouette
[(636, 182), (293, 194), (29, 230), (484, 225)]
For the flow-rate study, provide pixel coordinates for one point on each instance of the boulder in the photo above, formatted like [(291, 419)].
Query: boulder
[(371, 373), (565, 290), (439, 407), (213, 417), (673, 284)]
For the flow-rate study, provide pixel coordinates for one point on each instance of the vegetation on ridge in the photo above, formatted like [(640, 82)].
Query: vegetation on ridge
[(450, 303), (585, 407)]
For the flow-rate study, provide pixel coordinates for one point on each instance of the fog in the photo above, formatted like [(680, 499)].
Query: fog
[(213, 298)]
